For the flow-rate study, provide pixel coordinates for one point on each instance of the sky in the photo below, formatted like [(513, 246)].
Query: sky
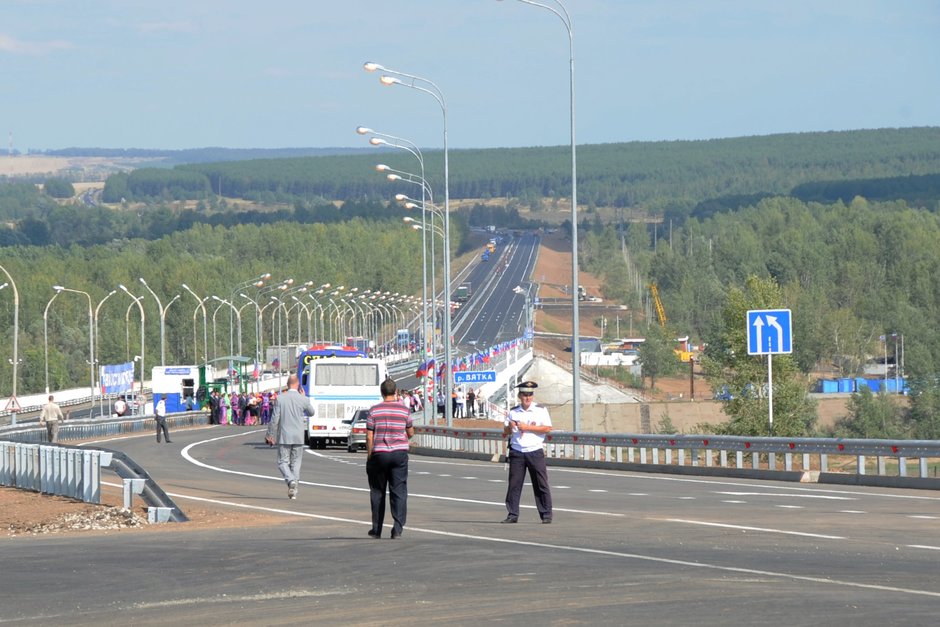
[(176, 74)]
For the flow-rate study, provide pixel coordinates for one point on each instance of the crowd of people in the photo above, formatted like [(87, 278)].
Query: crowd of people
[(245, 409), (463, 403)]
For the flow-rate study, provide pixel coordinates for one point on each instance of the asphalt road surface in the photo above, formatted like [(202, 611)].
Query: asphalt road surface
[(624, 548)]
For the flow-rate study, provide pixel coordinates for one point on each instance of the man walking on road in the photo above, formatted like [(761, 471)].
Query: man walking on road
[(286, 429), (388, 429), (50, 416), (159, 413), (528, 423)]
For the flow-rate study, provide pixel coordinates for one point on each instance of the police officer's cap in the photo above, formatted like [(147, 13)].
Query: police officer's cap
[(527, 387)]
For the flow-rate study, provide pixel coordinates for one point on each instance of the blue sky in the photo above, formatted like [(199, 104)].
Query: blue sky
[(178, 74)]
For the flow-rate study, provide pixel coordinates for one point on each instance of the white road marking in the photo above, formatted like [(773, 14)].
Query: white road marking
[(794, 496), (734, 502), (851, 511), (924, 546), (746, 528), (789, 506), (589, 551), (188, 457), (597, 490), (922, 517), (681, 498)]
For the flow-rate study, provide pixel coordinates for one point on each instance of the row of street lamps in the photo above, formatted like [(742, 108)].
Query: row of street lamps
[(363, 308), (395, 77)]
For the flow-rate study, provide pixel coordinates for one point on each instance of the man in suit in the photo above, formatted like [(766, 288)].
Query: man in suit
[(286, 429)]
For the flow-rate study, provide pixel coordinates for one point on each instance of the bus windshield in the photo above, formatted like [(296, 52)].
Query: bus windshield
[(328, 374)]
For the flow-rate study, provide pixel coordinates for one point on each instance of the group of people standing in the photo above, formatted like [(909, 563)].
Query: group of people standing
[(246, 409), (464, 404), (389, 428)]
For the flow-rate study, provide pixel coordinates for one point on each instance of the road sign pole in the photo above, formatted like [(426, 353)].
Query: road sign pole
[(770, 392)]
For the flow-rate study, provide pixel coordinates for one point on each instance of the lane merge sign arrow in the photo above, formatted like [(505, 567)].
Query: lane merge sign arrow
[(769, 332)]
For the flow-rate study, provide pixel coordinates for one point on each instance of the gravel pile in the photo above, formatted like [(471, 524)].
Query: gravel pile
[(101, 518)]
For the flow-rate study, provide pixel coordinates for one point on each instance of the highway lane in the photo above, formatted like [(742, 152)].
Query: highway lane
[(624, 547)]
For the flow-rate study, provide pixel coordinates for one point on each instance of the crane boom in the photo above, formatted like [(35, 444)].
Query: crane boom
[(660, 312)]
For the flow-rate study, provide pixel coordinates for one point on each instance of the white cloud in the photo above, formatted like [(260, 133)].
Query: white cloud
[(32, 48)]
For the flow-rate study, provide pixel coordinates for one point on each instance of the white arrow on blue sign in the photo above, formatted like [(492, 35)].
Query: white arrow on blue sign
[(769, 332)]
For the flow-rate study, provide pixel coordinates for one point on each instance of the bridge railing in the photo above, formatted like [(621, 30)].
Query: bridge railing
[(898, 463)]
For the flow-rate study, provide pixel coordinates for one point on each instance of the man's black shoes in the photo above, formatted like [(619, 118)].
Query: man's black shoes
[(509, 519), (374, 535)]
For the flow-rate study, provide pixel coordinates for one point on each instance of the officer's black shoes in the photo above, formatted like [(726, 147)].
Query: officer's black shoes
[(509, 519), (546, 521)]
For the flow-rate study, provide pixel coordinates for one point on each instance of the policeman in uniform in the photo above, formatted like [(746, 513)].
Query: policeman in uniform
[(527, 423)]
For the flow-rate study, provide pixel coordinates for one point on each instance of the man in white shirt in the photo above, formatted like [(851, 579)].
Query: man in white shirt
[(159, 411), (528, 425), (50, 416)]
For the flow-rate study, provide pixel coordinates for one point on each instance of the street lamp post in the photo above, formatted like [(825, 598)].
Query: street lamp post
[(97, 310), (91, 337), (205, 325), (45, 335), (238, 318), (143, 353), (162, 310), (424, 85), (16, 334), (562, 13)]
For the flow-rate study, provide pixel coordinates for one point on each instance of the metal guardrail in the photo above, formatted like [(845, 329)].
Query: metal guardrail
[(32, 464), (51, 469), (803, 459)]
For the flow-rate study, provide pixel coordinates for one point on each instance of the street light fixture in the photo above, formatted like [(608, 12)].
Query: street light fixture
[(45, 335), (16, 334), (429, 87), (91, 337), (205, 325), (163, 311), (143, 353), (559, 10)]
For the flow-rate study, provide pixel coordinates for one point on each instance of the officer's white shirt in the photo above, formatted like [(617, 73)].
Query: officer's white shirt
[(527, 441)]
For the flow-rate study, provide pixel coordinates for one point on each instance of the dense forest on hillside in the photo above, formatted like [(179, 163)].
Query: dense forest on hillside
[(851, 273), (674, 175)]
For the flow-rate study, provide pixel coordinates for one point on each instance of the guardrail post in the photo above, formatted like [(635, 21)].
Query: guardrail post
[(881, 464), (860, 465), (708, 458), (755, 460), (924, 471), (806, 463), (693, 453), (656, 456), (823, 462), (669, 457), (643, 455), (788, 461), (739, 459), (902, 466), (682, 457), (132, 487), (771, 461), (723, 457)]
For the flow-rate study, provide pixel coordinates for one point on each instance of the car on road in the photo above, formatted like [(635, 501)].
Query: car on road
[(357, 431)]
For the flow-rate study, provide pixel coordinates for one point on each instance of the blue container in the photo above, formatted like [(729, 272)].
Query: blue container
[(874, 385), (828, 386), (846, 385)]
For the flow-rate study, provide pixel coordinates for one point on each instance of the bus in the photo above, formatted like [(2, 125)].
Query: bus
[(338, 380)]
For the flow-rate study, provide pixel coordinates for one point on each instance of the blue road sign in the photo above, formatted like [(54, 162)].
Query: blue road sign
[(769, 332), (475, 376)]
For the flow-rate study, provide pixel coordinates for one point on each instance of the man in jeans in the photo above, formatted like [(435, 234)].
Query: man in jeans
[(286, 429)]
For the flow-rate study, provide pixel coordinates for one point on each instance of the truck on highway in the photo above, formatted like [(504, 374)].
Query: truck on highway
[(462, 294)]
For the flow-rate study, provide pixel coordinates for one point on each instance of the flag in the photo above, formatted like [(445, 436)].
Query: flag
[(276, 363), (256, 373)]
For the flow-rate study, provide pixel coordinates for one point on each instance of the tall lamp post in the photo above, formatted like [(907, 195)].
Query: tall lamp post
[(162, 319), (205, 325), (16, 333), (143, 317), (91, 337), (98, 309), (45, 335), (424, 85), (558, 8)]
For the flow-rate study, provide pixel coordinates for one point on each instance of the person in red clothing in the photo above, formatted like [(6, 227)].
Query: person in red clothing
[(388, 429)]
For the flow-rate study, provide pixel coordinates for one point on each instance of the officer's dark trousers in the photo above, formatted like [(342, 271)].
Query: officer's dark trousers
[(388, 471), (534, 462), (161, 426)]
